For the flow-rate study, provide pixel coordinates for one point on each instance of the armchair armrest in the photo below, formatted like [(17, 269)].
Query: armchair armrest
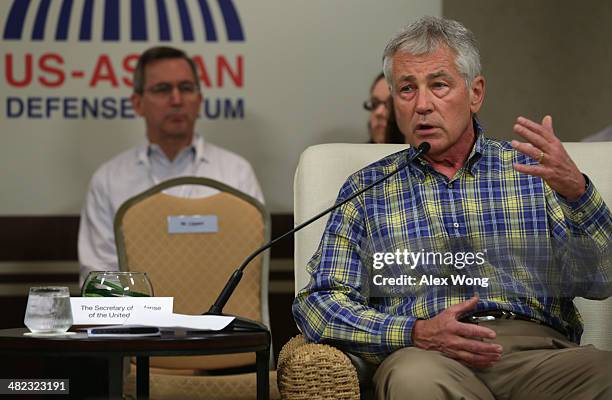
[(309, 371)]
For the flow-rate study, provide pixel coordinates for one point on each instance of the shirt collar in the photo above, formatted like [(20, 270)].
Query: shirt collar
[(197, 145), (478, 149), (201, 151)]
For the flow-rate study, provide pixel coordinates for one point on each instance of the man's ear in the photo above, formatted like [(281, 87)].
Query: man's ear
[(477, 94), (137, 103)]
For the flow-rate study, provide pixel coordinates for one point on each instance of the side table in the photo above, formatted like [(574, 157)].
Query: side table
[(14, 344)]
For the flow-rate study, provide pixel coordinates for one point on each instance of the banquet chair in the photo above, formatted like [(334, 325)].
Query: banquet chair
[(317, 371), (193, 267)]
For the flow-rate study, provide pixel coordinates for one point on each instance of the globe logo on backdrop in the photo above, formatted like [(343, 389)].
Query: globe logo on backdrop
[(121, 29)]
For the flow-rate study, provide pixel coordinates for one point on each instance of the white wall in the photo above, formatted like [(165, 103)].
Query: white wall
[(307, 68)]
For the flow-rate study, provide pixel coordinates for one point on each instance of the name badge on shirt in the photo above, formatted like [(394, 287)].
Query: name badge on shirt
[(193, 224)]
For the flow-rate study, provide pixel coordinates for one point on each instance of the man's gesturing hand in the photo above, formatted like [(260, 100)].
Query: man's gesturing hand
[(554, 164), (458, 340)]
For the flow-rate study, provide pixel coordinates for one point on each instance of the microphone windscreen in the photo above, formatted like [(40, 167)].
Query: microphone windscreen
[(424, 148)]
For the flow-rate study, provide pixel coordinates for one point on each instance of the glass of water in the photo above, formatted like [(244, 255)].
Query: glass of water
[(48, 311)]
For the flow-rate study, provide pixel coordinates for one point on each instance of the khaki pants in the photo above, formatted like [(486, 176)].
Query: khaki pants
[(537, 363)]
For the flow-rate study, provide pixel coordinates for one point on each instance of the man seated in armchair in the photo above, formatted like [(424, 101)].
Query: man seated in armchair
[(527, 202)]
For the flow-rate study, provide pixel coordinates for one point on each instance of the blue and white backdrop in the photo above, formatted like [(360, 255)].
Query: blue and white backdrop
[(277, 75)]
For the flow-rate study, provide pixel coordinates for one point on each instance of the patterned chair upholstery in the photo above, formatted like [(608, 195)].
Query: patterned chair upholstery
[(193, 268)]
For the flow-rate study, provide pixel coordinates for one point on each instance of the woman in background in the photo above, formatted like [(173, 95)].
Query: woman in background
[(382, 127)]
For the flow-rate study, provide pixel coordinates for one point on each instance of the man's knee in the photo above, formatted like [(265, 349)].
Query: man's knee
[(411, 369), (416, 373)]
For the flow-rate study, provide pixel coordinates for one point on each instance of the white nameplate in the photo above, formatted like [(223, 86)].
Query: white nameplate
[(117, 310), (193, 224)]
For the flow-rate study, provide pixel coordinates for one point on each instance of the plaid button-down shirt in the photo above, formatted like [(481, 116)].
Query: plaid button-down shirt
[(487, 198)]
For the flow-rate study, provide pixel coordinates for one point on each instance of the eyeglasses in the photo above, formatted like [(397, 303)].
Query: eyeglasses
[(165, 89), (373, 104)]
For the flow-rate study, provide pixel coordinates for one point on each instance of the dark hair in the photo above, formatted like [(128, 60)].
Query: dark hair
[(159, 53), (378, 78), (392, 131)]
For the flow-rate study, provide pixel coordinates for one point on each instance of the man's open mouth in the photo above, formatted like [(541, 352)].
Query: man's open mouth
[(424, 128)]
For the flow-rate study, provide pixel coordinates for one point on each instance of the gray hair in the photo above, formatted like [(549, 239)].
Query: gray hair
[(426, 35)]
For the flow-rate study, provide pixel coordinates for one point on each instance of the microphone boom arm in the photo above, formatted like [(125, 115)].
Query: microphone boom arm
[(232, 283)]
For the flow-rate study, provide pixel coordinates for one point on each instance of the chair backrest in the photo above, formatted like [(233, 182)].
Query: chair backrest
[(194, 267), (322, 170)]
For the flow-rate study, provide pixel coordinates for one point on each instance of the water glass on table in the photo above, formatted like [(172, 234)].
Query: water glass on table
[(48, 311)]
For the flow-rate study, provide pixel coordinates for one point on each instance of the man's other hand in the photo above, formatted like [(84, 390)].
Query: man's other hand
[(554, 164), (457, 340)]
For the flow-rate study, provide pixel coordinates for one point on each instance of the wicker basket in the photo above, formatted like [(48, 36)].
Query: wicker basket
[(309, 371)]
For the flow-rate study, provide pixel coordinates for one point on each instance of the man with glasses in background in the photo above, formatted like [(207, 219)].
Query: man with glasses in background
[(167, 95)]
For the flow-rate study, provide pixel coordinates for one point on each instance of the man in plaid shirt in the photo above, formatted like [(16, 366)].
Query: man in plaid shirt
[(437, 341)]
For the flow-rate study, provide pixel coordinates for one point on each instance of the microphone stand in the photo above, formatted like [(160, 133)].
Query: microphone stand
[(246, 324)]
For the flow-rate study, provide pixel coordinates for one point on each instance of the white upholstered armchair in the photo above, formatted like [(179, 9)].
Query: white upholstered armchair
[(313, 371)]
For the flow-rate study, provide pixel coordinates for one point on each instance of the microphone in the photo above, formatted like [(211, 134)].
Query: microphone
[(230, 286)]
